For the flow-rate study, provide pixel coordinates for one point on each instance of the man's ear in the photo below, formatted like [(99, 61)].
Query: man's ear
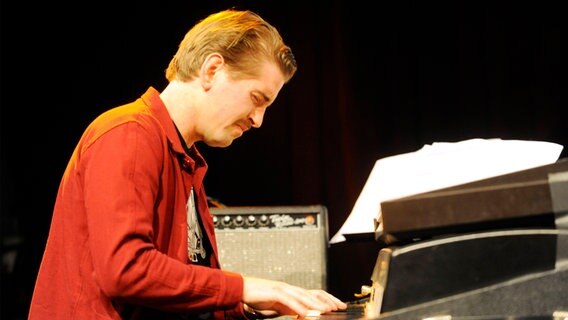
[(212, 64)]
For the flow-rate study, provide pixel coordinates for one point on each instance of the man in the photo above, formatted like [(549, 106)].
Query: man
[(131, 235)]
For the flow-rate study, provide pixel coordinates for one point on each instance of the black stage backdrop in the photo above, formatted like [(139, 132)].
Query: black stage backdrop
[(375, 79)]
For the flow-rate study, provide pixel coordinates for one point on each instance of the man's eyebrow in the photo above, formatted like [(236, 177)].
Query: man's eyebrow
[(264, 96)]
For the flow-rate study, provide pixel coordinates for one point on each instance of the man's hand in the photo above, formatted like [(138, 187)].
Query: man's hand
[(275, 298)]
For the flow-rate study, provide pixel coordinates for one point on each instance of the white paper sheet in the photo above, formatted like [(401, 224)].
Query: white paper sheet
[(441, 165)]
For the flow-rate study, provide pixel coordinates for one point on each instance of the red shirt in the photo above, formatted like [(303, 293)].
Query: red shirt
[(118, 238)]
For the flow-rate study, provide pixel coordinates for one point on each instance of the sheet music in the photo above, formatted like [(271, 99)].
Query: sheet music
[(441, 165)]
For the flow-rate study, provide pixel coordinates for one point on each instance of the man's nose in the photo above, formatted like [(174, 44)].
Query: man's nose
[(256, 117)]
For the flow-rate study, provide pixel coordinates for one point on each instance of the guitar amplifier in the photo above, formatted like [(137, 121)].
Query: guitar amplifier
[(284, 243)]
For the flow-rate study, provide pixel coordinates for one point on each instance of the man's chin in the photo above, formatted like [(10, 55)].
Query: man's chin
[(219, 144)]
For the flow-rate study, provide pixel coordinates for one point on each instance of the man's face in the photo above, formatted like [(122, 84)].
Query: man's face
[(234, 106)]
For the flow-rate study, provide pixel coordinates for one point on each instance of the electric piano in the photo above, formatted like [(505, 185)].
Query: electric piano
[(490, 249)]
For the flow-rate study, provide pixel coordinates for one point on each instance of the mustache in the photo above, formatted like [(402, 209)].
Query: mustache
[(245, 125)]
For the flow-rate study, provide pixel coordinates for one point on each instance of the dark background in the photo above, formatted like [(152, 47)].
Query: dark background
[(375, 79)]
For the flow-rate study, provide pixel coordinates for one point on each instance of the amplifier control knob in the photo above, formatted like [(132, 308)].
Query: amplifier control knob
[(226, 221), (251, 220), (239, 221), (263, 220), (215, 221)]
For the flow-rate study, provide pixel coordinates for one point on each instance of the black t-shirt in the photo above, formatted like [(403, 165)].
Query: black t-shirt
[(204, 261)]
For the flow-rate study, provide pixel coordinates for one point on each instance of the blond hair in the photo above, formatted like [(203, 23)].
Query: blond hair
[(243, 38)]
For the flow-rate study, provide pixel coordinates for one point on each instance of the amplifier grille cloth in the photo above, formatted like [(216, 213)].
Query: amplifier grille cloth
[(296, 255)]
